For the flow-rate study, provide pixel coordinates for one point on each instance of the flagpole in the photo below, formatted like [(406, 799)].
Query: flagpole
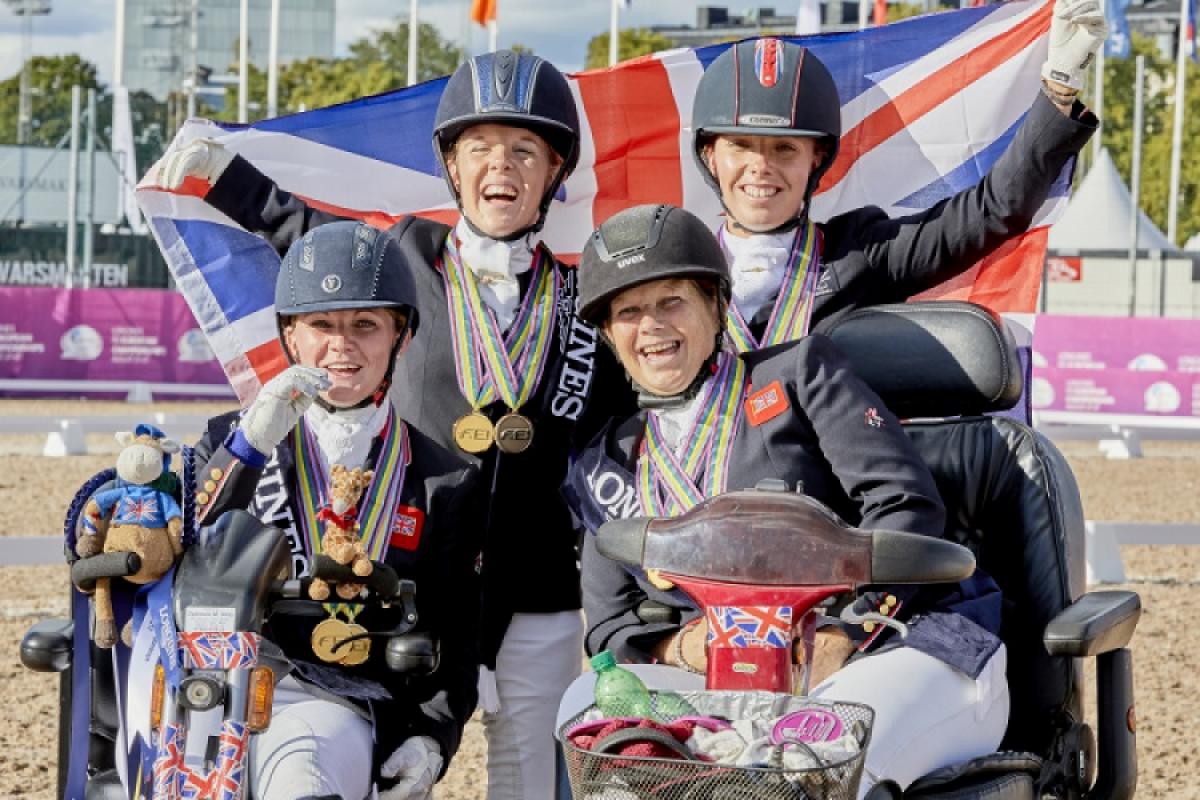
[(1098, 104), (863, 6), (412, 42), (273, 63), (493, 35), (1177, 136), (614, 30), (243, 54), (1135, 180)]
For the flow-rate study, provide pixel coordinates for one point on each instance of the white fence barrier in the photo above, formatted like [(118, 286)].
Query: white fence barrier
[(1104, 564), (134, 391), (1119, 435), (67, 435)]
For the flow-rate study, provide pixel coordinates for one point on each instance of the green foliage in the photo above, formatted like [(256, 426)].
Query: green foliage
[(1158, 117), (631, 43), (52, 78), (378, 63), (899, 11)]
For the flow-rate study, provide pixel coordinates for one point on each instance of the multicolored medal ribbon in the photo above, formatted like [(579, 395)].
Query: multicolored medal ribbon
[(491, 364), (792, 312), (669, 485), (377, 511)]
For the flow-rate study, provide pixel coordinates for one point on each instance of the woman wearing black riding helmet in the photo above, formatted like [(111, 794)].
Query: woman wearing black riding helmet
[(654, 281), (766, 124), (507, 134), (347, 306)]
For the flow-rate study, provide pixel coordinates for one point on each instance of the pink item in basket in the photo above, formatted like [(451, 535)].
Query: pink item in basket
[(808, 725)]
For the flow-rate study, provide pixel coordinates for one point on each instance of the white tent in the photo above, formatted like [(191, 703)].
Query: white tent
[(1097, 217), (1193, 244)]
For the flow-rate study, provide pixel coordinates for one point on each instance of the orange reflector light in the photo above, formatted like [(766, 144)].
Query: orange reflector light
[(262, 695), (156, 696)]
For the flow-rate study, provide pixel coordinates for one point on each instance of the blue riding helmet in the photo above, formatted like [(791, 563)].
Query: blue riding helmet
[(347, 265), (514, 89)]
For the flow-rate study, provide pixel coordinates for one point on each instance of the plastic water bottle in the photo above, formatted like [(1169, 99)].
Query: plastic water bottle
[(619, 692)]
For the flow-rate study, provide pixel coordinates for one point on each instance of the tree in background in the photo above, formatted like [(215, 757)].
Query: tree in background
[(51, 79), (899, 11), (1158, 118), (631, 43), (377, 63)]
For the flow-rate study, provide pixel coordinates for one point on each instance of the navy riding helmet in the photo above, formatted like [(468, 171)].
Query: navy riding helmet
[(515, 89)]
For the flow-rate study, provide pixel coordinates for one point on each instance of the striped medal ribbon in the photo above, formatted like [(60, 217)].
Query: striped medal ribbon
[(669, 485), (488, 363), (792, 312), (377, 509)]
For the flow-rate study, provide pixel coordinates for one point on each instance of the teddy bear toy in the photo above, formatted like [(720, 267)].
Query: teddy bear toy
[(137, 515), (341, 541)]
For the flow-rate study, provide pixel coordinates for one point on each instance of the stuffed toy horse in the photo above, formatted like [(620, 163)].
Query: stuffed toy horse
[(134, 516)]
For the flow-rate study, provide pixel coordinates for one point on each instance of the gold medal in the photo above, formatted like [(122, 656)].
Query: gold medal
[(356, 652), (326, 635), (514, 433), (474, 432)]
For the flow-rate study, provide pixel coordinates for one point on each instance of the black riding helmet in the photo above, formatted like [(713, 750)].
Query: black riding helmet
[(651, 243), (346, 265), (767, 87), (515, 89)]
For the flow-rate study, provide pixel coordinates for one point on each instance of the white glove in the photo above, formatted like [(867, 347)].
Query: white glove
[(280, 404), (202, 158), (415, 766), (1077, 30)]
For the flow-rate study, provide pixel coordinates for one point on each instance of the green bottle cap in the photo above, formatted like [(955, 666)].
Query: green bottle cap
[(603, 660)]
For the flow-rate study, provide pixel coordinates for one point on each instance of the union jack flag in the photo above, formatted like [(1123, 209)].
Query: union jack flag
[(749, 626), (218, 649), (231, 761), (928, 105), (142, 509), (169, 765)]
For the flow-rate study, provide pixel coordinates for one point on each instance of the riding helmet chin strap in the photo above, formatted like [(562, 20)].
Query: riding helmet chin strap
[(649, 401)]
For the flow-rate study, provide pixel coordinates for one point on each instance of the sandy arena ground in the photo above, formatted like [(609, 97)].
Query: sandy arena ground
[(1162, 487)]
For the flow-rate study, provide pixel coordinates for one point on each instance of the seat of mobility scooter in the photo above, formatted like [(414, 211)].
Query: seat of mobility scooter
[(1012, 499)]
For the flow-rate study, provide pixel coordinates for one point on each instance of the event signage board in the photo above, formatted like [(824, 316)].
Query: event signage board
[(1117, 365), (102, 335)]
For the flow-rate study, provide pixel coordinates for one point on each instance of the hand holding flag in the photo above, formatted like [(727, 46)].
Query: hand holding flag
[(1077, 30)]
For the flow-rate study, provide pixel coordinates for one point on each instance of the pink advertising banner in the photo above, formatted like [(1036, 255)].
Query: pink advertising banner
[(102, 335), (1117, 365)]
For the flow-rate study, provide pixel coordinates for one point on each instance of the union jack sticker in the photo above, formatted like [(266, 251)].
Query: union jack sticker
[(768, 61), (406, 527), (872, 418)]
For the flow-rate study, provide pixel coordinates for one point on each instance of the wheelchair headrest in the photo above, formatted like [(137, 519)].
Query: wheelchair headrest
[(933, 359)]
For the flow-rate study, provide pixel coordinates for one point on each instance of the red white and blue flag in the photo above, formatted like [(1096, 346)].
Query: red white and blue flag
[(929, 104), (749, 626)]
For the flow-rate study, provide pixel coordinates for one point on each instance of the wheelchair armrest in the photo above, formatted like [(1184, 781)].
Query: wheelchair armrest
[(1098, 622), (46, 647)]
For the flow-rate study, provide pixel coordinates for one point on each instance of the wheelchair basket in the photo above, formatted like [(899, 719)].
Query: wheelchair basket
[(795, 748)]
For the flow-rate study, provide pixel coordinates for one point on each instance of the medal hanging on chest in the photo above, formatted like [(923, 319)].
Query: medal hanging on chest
[(493, 366), (792, 311), (375, 519), (670, 484), (337, 642)]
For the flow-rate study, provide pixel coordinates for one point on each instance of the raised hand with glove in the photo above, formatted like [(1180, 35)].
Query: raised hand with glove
[(280, 404), (1077, 30), (415, 767), (203, 158)]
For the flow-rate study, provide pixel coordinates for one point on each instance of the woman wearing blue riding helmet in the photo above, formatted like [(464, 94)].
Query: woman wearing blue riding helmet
[(503, 372), (766, 125), (347, 308)]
